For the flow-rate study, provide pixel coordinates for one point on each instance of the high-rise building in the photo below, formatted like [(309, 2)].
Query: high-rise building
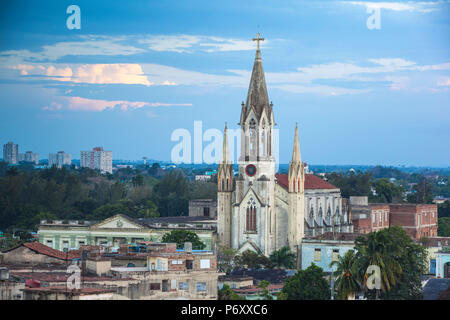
[(59, 159), (29, 156), (11, 153), (97, 159)]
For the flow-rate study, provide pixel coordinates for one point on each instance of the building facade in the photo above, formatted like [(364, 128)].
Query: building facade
[(323, 250), (265, 211), (11, 153), (203, 208), (29, 156), (120, 229), (59, 159), (97, 159)]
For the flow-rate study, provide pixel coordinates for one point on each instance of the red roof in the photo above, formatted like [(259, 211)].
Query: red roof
[(46, 250), (311, 182)]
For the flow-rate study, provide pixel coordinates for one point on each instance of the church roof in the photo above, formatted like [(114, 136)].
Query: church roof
[(311, 182), (257, 96)]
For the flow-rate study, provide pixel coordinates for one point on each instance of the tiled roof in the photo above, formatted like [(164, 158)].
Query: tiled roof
[(311, 182), (46, 250), (255, 289), (63, 289), (59, 277)]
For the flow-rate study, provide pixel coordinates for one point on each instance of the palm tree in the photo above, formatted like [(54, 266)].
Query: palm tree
[(283, 258), (347, 280), (379, 250)]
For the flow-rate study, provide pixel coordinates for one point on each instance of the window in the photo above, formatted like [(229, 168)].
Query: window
[(251, 216), (155, 286), (49, 243), (373, 217), (317, 254), (177, 261), (205, 264), (201, 286), (173, 284), (183, 285), (206, 211), (335, 255)]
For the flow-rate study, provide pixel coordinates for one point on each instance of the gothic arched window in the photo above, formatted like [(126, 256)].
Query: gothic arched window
[(329, 216), (250, 216), (320, 217)]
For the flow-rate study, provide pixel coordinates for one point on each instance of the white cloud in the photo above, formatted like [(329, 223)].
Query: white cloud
[(85, 104), (411, 6), (124, 73), (191, 43), (87, 46)]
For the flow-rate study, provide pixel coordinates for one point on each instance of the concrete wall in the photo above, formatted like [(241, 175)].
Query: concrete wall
[(326, 247), (24, 255)]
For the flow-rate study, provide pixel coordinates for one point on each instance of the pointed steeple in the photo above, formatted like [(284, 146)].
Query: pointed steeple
[(296, 157), (257, 97), (225, 153)]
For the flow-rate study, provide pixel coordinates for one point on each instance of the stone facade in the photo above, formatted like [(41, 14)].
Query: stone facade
[(265, 211), (203, 208), (121, 229)]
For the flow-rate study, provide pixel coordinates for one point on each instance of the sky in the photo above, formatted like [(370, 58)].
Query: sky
[(364, 88)]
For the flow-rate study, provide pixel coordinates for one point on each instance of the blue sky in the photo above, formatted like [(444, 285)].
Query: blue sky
[(136, 71)]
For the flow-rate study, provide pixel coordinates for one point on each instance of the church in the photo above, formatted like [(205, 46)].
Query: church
[(261, 210)]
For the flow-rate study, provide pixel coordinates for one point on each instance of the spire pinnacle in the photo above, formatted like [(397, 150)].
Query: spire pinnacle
[(296, 157), (257, 97), (225, 154)]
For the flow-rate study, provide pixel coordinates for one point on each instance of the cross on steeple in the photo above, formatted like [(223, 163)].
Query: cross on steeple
[(258, 39)]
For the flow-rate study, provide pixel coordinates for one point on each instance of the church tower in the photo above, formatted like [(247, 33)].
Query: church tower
[(253, 224), (224, 196), (296, 197)]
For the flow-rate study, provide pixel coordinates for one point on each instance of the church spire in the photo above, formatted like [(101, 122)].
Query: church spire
[(257, 97), (225, 152), (296, 157)]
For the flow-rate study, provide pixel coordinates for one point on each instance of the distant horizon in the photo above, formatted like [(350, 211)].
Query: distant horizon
[(280, 164)]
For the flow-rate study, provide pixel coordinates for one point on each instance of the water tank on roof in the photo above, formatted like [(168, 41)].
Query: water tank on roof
[(4, 273)]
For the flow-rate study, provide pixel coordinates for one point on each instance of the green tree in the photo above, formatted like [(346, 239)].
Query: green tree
[(283, 258), (376, 249), (226, 293), (346, 284), (351, 184), (387, 191), (181, 236), (138, 181), (172, 194), (308, 284), (421, 192), (252, 260), (225, 257), (264, 284), (444, 227), (444, 209)]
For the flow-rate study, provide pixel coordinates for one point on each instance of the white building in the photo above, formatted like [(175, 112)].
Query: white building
[(59, 159), (11, 153), (97, 159), (266, 211), (29, 157)]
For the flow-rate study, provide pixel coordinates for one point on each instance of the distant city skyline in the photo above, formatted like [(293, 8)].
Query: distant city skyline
[(133, 74)]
